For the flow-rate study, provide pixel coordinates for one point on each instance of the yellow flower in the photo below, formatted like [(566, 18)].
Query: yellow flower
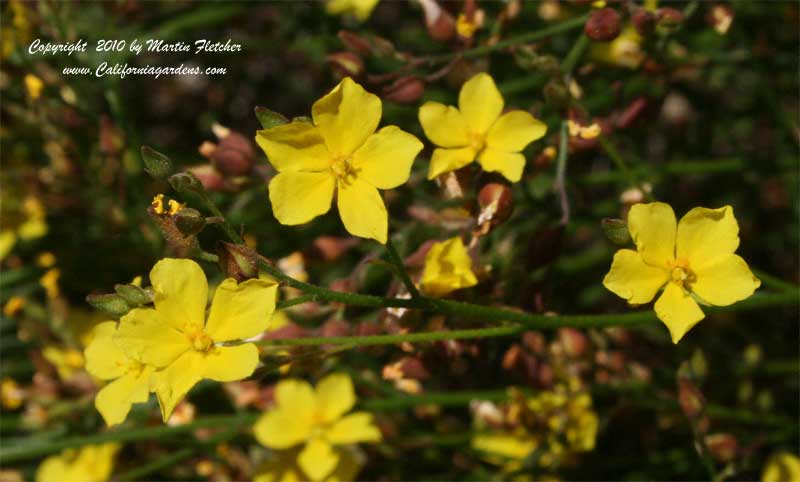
[(33, 86), (781, 467), (92, 463), (131, 379), (13, 306), (11, 395), (67, 360), (360, 8), (175, 339), (340, 152), (49, 281), (694, 261), (477, 130), (624, 51), (514, 445), (283, 467), (315, 418), (8, 238), (448, 267)]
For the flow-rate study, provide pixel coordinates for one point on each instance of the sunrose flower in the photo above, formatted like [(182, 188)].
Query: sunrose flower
[(780, 467), (341, 153), (476, 130), (315, 419), (448, 267), (92, 463), (694, 261), (176, 339)]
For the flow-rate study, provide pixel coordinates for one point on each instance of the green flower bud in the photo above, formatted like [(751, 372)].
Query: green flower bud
[(185, 181), (111, 304), (269, 118), (133, 295), (156, 164), (616, 230)]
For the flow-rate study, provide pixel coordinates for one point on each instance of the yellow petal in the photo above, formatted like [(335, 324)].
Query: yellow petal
[(318, 459), (53, 469), (385, 158), (515, 130), (114, 400), (509, 164), (346, 116), (782, 467), (297, 146), (443, 125), (480, 103), (104, 359), (632, 279), (678, 311), (446, 160), (706, 234), (143, 336), (354, 428), (299, 197), (241, 311), (505, 444), (96, 462), (32, 229), (362, 210), (652, 228), (448, 267), (290, 422), (230, 363), (174, 382), (7, 241), (180, 292), (725, 281), (335, 396)]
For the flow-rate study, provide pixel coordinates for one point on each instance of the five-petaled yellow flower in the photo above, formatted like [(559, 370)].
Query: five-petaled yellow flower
[(176, 339), (693, 260), (316, 419), (92, 463), (448, 267), (339, 152), (477, 130)]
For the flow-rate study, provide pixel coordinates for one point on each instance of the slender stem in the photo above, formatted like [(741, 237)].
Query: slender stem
[(619, 161), (433, 398), (566, 26), (283, 304), (575, 54), (775, 282), (561, 170), (397, 261)]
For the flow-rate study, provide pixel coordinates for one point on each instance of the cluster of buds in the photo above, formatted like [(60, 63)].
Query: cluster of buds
[(231, 158), (125, 298)]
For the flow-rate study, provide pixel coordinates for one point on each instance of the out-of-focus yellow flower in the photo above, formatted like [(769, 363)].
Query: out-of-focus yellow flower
[(33, 86), (131, 379), (477, 130), (20, 30), (693, 260), (340, 152), (176, 339), (465, 27), (283, 467), (8, 239), (781, 467), (93, 463), (13, 305), (49, 282), (45, 259), (448, 267), (66, 360), (624, 51), (11, 395), (361, 9), (32, 226), (316, 420)]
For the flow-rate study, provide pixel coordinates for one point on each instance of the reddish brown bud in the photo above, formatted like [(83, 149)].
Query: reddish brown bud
[(346, 64), (234, 155), (574, 342), (406, 367), (405, 90), (690, 398), (496, 203), (209, 177), (720, 16), (355, 43), (644, 21), (441, 25), (603, 25), (723, 447), (237, 261), (669, 17)]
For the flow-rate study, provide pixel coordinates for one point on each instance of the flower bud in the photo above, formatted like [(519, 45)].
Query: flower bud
[(441, 26), (234, 155), (690, 398), (355, 43), (189, 221), (346, 64), (110, 304), (495, 202), (209, 177), (603, 25), (133, 295), (723, 447), (156, 164), (185, 181), (405, 90), (268, 118), (574, 342), (720, 17), (616, 230), (644, 21), (668, 18), (237, 261)]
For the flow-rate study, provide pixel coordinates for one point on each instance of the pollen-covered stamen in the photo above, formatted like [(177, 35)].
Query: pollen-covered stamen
[(344, 170), (680, 272), (197, 337)]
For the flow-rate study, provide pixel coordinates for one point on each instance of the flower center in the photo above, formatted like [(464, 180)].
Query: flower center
[(680, 272), (342, 167), (476, 141), (199, 340)]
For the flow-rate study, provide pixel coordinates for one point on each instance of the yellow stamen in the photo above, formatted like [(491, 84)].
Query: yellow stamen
[(344, 170)]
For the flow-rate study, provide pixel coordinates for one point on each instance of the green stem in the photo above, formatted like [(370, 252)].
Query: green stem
[(575, 54), (433, 398), (566, 26), (561, 172), (619, 161), (397, 261), (299, 300), (775, 282)]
